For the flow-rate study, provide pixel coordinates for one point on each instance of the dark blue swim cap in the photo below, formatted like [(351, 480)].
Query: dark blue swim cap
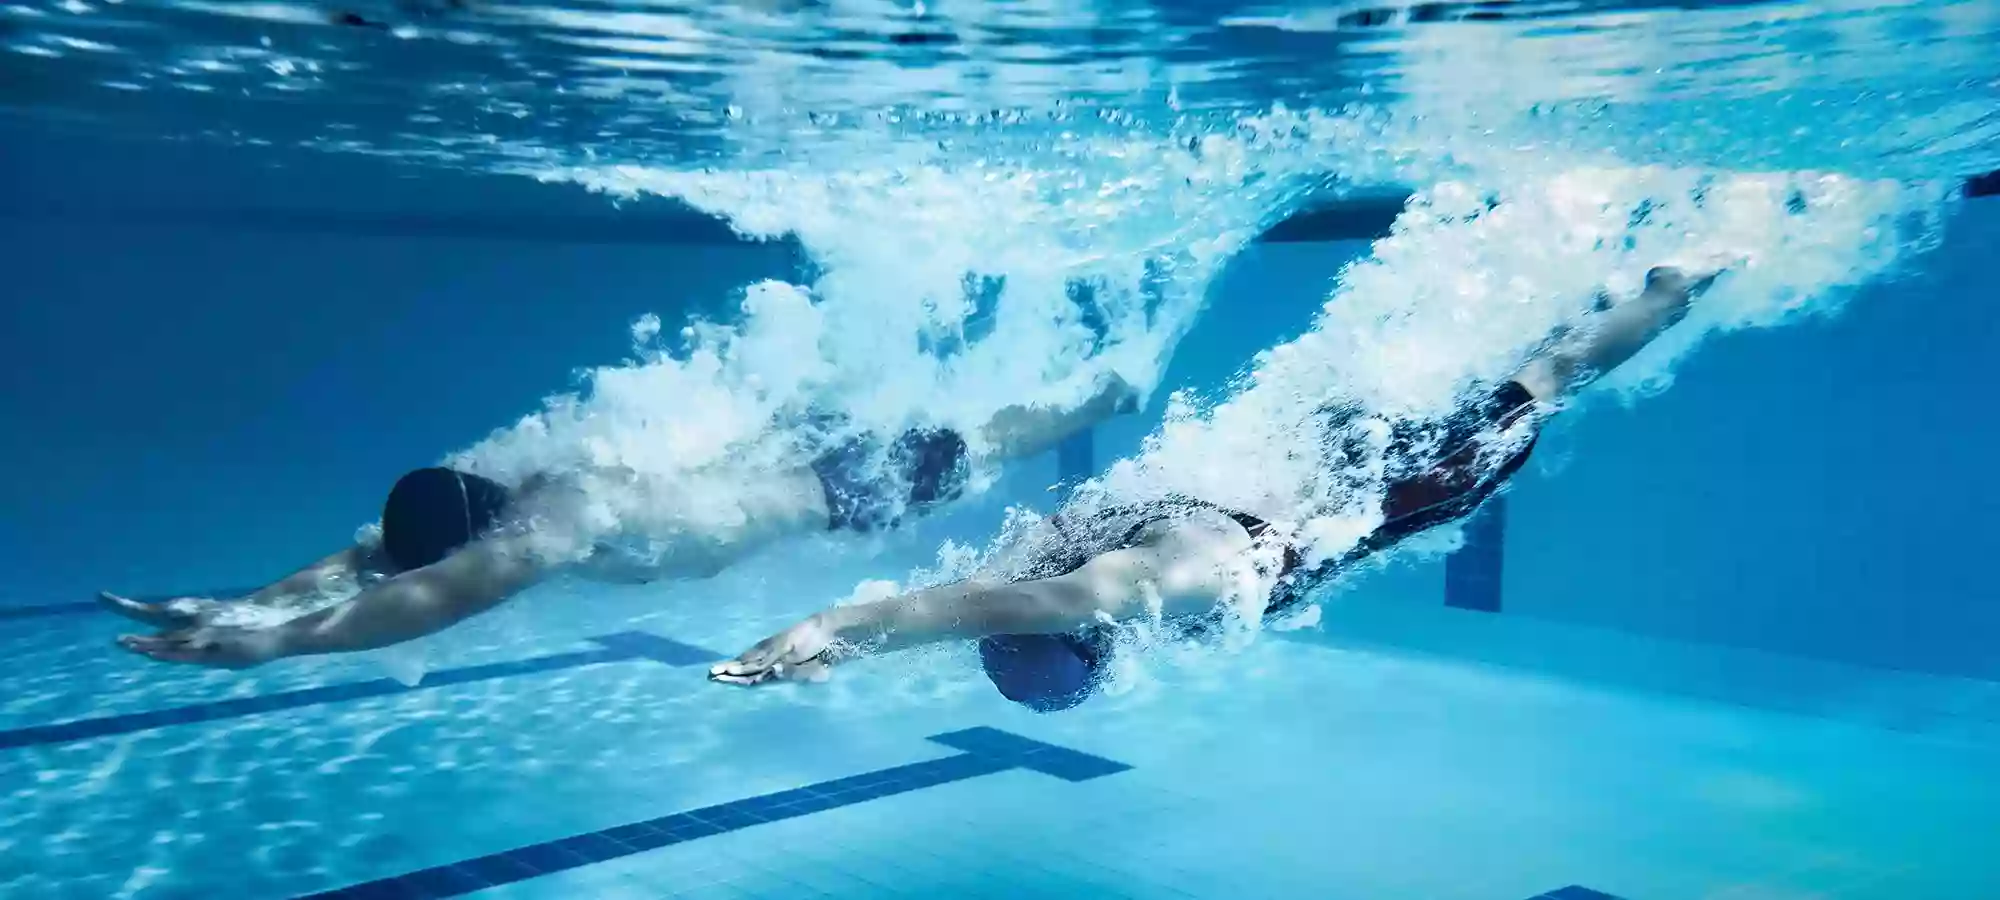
[(1043, 672)]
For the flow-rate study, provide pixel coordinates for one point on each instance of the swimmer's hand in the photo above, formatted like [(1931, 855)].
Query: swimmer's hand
[(180, 612), (803, 652), (216, 646)]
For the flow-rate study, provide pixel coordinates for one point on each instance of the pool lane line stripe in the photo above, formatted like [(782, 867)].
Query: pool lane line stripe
[(46, 610), (983, 751), (624, 646), (1575, 892), (86, 607), (1473, 573)]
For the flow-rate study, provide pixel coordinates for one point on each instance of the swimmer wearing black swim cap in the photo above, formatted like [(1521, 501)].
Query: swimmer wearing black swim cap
[(453, 544)]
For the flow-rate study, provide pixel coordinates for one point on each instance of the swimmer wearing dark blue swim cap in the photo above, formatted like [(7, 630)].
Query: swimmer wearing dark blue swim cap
[(1046, 633)]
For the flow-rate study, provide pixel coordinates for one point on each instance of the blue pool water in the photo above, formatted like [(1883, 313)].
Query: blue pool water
[(1729, 636)]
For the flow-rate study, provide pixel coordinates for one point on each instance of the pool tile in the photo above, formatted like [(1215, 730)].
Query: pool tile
[(594, 847), (545, 858), (498, 868), (445, 881)]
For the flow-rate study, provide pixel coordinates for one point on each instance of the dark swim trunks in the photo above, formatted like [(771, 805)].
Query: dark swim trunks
[(870, 486), (1435, 488), (1053, 672), (432, 512)]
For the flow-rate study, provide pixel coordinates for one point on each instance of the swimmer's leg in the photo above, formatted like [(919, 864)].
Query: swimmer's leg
[(1022, 431), (1605, 339)]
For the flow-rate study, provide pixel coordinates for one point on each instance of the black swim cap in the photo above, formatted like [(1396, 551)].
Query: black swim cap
[(1044, 672), (432, 512)]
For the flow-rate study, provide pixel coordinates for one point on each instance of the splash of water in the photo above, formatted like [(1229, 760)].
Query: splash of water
[(946, 292), (1474, 279)]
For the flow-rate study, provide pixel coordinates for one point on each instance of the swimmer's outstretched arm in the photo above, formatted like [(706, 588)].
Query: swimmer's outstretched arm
[(336, 573), (408, 606), (1182, 569)]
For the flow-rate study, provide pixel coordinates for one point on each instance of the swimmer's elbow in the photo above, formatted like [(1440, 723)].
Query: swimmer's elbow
[(1061, 604)]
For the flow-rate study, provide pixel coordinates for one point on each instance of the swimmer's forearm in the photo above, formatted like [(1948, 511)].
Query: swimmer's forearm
[(382, 617), (411, 605)]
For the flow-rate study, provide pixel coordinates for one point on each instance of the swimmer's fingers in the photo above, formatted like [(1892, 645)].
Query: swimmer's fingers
[(791, 656), (171, 614), (759, 658), (814, 670), (225, 648), (753, 667), (173, 646)]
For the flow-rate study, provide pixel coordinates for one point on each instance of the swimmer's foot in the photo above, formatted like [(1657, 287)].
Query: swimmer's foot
[(1125, 398), (803, 652), (1114, 396), (179, 612), (1685, 281)]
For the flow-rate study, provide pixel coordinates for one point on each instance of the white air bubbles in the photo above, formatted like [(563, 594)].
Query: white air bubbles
[(645, 329), (76, 43)]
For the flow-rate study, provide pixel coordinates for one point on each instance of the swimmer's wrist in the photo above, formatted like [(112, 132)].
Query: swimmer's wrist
[(860, 625)]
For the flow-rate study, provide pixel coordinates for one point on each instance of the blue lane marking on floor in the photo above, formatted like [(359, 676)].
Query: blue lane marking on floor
[(1575, 892), (86, 607), (624, 646), (641, 645), (47, 609), (985, 751), (1472, 573), (1076, 459)]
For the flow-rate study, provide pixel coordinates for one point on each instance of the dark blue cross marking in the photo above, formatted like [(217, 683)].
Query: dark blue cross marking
[(621, 647), (1472, 573), (985, 751), (1574, 892)]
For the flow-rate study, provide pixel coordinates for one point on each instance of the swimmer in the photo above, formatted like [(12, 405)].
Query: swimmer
[(1044, 637), (454, 544)]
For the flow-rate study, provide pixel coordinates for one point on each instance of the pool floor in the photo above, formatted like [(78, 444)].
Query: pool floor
[(1401, 752)]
